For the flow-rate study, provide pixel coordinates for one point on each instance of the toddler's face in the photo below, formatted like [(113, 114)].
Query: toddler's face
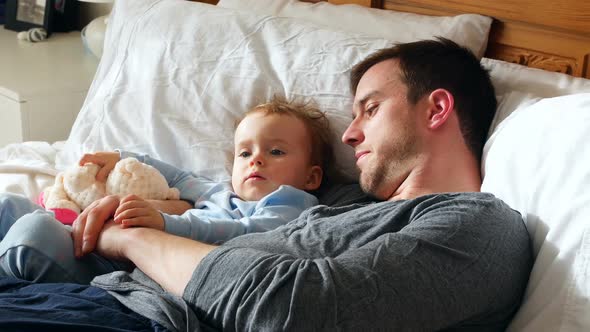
[(272, 150)]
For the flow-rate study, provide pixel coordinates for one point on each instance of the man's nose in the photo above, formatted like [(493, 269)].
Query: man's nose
[(353, 135)]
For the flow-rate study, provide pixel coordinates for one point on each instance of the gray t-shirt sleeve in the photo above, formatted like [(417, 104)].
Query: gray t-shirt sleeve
[(436, 262)]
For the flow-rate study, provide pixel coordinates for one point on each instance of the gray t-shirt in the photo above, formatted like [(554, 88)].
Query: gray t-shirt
[(455, 261)]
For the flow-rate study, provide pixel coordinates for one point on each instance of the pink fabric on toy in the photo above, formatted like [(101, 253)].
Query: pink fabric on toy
[(65, 216), (41, 199)]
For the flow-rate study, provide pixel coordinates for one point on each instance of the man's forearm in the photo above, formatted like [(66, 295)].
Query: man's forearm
[(168, 259)]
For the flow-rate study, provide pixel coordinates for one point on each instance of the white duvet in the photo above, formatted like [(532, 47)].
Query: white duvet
[(28, 167)]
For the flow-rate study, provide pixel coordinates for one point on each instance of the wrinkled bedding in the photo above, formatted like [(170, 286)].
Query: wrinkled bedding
[(27, 168)]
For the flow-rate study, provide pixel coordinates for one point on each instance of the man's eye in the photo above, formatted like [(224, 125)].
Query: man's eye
[(276, 152), (244, 154), (371, 109)]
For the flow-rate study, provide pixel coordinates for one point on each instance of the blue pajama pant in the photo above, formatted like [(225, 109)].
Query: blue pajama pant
[(34, 246)]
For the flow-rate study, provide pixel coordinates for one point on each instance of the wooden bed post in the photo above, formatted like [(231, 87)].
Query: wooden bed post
[(366, 3)]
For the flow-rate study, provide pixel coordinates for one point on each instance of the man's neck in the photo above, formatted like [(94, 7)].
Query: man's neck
[(450, 172)]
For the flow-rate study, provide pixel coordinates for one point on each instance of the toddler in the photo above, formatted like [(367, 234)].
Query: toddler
[(281, 152)]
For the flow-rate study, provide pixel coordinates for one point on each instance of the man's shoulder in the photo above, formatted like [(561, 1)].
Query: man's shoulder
[(479, 206), (474, 200), (471, 217)]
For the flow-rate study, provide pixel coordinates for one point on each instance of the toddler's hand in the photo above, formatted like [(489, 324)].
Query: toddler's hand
[(106, 161), (134, 211)]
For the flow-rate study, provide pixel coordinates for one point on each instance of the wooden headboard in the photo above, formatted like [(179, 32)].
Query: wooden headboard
[(546, 34)]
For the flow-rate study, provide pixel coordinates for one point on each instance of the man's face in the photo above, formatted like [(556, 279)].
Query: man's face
[(384, 130)]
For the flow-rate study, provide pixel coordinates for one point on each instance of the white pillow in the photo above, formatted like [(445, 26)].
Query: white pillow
[(469, 30), (508, 77), (176, 76), (518, 86), (538, 161)]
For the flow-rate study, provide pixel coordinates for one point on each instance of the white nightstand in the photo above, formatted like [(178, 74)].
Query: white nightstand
[(42, 86)]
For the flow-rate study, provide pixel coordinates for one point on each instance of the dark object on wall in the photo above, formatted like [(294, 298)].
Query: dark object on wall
[(2, 6), (52, 15)]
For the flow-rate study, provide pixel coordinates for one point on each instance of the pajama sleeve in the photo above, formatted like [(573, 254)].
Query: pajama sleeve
[(217, 225)]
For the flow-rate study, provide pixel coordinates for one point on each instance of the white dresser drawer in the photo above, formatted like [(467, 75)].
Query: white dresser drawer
[(42, 86), (11, 130)]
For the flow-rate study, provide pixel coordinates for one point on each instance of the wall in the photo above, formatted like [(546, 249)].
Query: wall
[(89, 11)]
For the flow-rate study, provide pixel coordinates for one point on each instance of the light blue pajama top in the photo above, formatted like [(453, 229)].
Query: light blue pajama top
[(219, 214)]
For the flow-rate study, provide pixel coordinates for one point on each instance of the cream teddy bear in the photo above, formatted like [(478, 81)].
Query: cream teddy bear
[(76, 188)]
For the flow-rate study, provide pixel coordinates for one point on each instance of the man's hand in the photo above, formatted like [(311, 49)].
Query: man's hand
[(134, 211), (90, 222), (106, 161), (112, 240)]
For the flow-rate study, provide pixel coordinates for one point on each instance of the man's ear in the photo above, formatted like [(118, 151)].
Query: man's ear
[(441, 104), (314, 179)]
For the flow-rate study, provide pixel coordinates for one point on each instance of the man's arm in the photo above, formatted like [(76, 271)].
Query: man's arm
[(167, 259), (440, 269)]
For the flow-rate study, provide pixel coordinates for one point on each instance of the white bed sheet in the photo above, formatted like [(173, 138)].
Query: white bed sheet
[(27, 168)]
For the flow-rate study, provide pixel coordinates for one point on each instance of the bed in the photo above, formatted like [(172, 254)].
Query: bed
[(176, 75)]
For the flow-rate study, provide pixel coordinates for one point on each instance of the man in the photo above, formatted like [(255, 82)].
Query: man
[(434, 255)]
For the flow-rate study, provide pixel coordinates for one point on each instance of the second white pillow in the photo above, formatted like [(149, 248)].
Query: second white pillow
[(469, 30)]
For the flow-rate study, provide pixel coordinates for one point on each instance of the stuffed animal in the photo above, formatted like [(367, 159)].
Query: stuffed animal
[(76, 188)]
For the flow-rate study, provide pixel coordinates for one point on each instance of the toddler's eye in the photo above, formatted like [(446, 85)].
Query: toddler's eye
[(244, 154), (276, 152)]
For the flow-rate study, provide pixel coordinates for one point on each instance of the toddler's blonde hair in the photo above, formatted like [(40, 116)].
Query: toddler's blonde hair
[(315, 121)]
